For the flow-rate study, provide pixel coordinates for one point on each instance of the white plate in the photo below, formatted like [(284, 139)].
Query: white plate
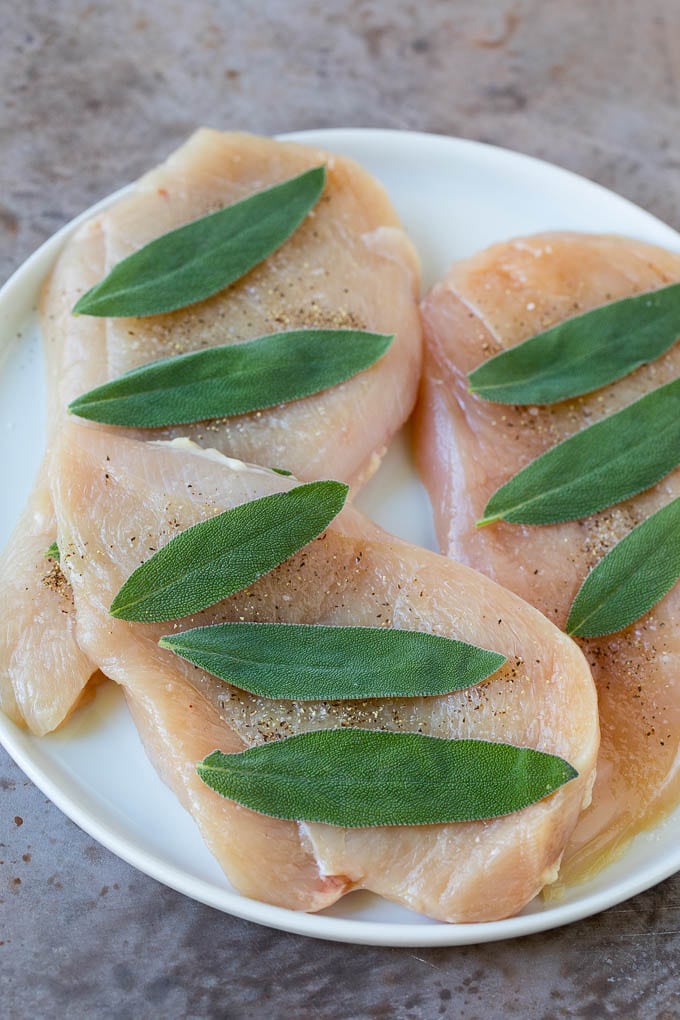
[(454, 197)]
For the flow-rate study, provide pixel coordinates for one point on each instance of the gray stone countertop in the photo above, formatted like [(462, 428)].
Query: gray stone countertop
[(92, 95)]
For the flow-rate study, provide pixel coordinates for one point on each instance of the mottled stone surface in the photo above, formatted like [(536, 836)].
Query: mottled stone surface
[(92, 95)]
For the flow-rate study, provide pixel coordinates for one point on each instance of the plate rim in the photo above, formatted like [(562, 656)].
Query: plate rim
[(347, 930)]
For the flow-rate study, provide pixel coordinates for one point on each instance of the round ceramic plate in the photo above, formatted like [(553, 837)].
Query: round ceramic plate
[(454, 198)]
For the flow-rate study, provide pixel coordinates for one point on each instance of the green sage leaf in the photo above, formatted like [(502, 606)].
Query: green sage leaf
[(314, 663), (354, 777), (52, 552), (234, 379), (583, 353), (631, 578), (224, 554), (200, 258), (603, 464)]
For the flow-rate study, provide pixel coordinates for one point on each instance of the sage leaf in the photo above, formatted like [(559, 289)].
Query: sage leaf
[(583, 353), (631, 578), (312, 663), (233, 379), (200, 258), (605, 463), (220, 556), (52, 552), (353, 777)]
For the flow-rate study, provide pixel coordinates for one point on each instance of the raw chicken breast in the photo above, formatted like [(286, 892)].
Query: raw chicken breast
[(179, 729), (44, 671), (468, 447), (349, 265), (117, 499)]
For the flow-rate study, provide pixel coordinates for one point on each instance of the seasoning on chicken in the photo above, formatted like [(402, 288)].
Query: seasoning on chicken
[(468, 447), (118, 499)]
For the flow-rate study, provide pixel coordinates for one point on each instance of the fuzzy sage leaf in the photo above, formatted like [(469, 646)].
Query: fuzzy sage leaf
[(354, 777), (234, 379), (224, 554), (52, 552), (200, 258), (631, 578), (314, 663), (583, 353), (602, 465)]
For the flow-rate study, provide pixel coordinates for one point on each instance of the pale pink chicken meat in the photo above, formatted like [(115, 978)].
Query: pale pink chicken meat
[(117, 499), (44, 669), (179, 729), (349, 265), (468, 447)]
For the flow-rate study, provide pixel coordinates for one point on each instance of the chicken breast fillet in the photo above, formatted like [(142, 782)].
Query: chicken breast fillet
[(349, 265), (468, 447), (117, 499)]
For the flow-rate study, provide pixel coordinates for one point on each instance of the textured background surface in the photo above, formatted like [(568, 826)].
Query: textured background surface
[(93, 94)]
